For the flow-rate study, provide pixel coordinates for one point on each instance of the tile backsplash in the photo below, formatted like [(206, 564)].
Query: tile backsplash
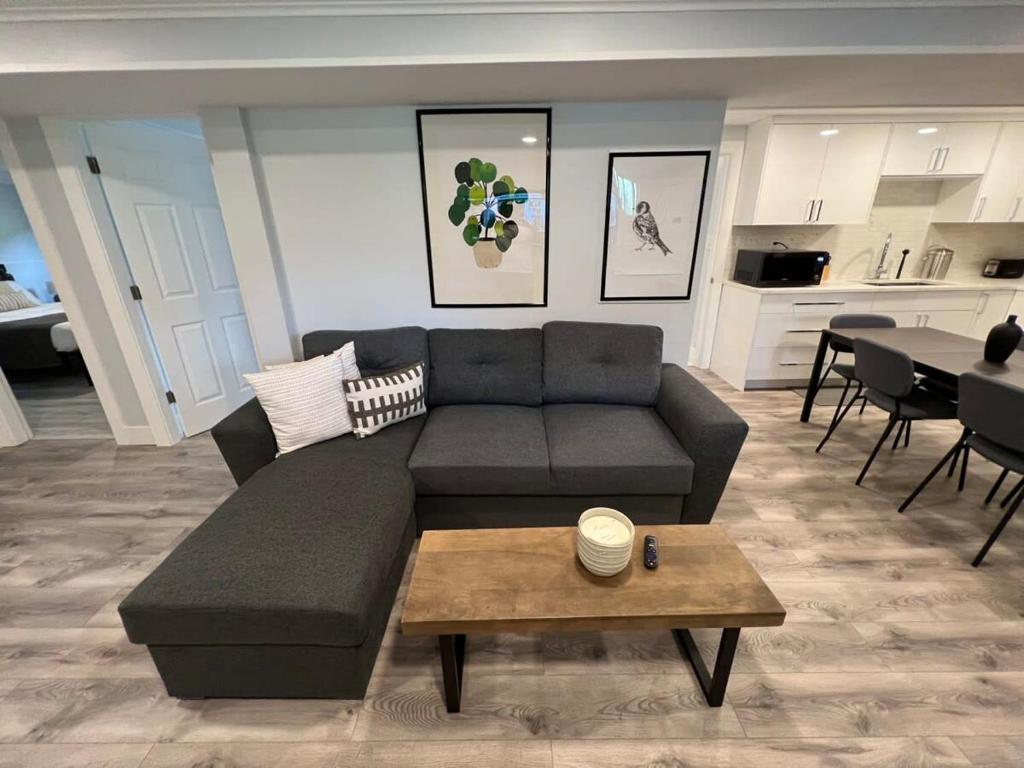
[(903, 207)]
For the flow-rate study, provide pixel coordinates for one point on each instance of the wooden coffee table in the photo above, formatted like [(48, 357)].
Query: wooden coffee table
[(525, 580)]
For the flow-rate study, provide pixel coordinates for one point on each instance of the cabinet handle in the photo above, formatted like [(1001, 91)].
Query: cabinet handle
[(933, 159), (984, 304), (809, 215), (943, 154), (788, 365), (817, 216), (803, 330), (818, 303), (981, 207), (926, 317), (1016, 208)]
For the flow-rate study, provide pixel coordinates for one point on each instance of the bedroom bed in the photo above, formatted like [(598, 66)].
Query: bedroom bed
[(37, 337)]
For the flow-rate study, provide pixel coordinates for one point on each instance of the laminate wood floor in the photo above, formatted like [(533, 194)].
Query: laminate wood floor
[(61, 406), (895, 651)]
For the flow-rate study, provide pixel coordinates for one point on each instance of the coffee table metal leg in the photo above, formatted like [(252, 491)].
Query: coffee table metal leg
[(713, 685), (453, 655)]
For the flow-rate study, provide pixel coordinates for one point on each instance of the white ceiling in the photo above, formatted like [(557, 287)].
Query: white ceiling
[(766, 54), (792, 82)]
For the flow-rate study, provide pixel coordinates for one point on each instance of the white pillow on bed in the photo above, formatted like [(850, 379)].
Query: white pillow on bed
[(11, 287), (305, 401), (12, 301)]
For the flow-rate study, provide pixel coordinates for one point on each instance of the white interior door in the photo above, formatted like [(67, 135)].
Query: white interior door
[(161, 195)]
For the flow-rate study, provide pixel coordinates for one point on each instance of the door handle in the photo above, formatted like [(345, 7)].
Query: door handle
[(981, 207), (984, 304)]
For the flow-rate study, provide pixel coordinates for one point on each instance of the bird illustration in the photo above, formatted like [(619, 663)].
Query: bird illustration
[(646, 228)]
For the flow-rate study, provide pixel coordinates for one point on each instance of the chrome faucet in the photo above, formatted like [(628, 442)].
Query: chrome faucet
[(881, 270)]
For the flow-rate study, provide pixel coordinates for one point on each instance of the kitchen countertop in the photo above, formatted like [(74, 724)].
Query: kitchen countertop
[(850, 286)]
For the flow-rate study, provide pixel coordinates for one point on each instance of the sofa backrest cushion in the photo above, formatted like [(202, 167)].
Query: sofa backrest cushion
[(377, 351), (601, 363), (486, 366)]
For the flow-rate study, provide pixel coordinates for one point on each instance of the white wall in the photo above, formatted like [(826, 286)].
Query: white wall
[(345, 213), (19, 251)]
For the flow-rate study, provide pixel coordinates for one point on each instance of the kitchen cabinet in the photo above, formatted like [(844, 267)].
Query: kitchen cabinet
[(814, 173), (993, 308), (940, 149), (770, 337), (998, 196)]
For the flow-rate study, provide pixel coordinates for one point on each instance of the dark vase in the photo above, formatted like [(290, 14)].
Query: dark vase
[(1003, 340)]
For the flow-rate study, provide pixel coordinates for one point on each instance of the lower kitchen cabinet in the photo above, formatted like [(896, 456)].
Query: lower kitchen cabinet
[(768, 338)]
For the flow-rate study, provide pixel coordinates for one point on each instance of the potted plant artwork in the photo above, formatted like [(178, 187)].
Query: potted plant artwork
[(483, 207)]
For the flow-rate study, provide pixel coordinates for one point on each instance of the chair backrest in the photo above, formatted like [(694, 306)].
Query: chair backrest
[(883, 368), (856, 321), (992, 408)]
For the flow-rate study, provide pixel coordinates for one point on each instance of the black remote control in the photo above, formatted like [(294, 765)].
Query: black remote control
[(650, 552)]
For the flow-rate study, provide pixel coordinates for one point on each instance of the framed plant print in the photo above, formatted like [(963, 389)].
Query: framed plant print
[(652, 224), (485, 175)]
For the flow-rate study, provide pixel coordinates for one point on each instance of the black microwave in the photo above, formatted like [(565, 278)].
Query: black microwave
[(767, 269)]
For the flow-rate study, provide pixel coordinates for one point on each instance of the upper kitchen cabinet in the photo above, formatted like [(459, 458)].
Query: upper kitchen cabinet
[(820, 173), (996, 197), (940, 149)]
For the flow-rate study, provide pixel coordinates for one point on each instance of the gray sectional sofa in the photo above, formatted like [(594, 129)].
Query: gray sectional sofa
[(285, 590)]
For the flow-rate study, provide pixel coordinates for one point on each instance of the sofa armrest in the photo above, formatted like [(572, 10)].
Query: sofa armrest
[(709, 431), (246, 440)]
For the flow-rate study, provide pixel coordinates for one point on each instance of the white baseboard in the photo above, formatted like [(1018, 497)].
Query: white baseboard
[(133, 435)]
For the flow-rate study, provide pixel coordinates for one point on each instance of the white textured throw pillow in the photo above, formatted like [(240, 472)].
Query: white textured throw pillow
[(380, 401), (305, 401), (347, 354)]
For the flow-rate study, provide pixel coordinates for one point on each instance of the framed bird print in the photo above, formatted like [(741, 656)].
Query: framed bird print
[(485, 175), (652, 224)]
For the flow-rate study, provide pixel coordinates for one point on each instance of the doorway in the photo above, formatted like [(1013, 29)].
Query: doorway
[(39, 352), (159, 193)]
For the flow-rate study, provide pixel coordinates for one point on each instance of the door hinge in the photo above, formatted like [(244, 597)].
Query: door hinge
[(94, 164), (170, 397), (135, 292)]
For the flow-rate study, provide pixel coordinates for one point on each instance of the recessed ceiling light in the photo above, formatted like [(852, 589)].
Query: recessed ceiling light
[(828, 132), (529, 139), (926, 131)]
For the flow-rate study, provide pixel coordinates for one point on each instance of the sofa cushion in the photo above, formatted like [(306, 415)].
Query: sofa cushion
[(486, 366), (297, 556), (614, 449), (377, 351), (481, 449), (601, 363)]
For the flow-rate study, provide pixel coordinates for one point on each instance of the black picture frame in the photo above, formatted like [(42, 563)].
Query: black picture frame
[(706, 154), (420, 114)]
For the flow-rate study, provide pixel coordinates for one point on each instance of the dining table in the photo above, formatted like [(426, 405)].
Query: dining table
[(938, 354)]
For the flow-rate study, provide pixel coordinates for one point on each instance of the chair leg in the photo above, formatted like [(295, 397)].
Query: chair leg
[(1016, 489), (899, 434), (828, 370), (963, 469), (878, 445), (837, 417), (935, 470), (995, 488), (956, 460), (999, 529), (906, 435)]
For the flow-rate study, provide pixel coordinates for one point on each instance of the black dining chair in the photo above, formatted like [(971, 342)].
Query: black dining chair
[(887, 375), (992, 413), (845, 370)]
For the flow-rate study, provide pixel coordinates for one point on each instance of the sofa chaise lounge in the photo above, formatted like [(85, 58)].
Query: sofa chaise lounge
[(286, 589)]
